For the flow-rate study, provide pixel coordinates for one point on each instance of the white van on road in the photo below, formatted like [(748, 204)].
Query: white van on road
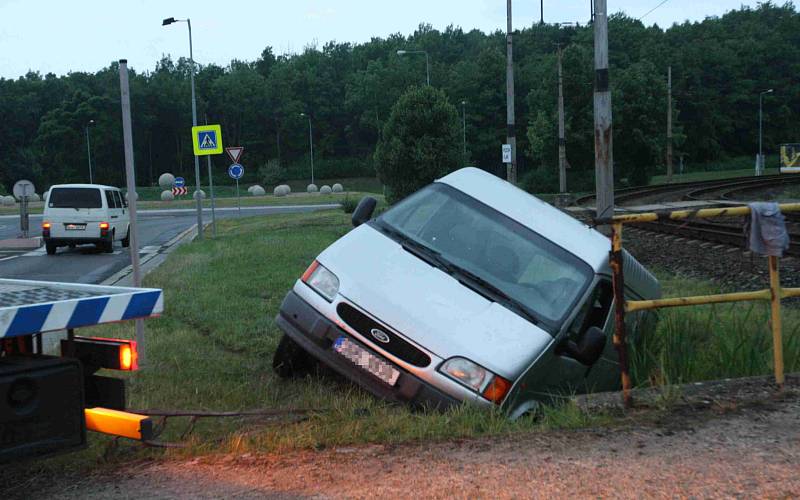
[(79, 214)]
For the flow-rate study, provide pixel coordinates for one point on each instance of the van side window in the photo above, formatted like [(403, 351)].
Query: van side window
[(112, 202), (595, 311), (120, 199)]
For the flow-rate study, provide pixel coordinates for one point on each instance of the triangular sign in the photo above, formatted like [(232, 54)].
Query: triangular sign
[(235, 153)]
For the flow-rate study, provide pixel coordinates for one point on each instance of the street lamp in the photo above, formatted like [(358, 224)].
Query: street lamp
[(464, 127), (89, 149), (427, 62), (760, 168), (311, 143), (167, 22)]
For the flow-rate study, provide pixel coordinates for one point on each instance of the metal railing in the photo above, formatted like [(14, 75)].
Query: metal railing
[(774, 293)]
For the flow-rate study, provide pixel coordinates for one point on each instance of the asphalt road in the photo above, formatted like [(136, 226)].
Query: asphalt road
[(86, 264)]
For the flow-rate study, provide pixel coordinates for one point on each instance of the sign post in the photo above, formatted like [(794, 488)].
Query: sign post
[(207, 141), (22, 190), (236, 171), (234, 153)]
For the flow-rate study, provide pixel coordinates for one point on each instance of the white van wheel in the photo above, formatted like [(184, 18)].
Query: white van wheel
[(108, 245), (126, 241)]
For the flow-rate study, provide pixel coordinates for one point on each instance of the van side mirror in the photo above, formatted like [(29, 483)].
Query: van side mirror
[(364, 210), (589, 349)]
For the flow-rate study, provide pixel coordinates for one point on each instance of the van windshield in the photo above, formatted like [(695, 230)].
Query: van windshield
[(489, 252), (74, 198)]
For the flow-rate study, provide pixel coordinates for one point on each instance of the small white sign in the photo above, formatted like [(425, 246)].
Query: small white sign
[(506, 153)]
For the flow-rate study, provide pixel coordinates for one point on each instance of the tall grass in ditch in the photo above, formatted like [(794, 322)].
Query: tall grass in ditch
[(710, 342)]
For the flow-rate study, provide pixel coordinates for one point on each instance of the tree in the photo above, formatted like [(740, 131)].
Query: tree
[(420, 142)]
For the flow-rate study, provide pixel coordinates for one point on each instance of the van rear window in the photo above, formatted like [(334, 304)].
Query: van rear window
[(75, 198)]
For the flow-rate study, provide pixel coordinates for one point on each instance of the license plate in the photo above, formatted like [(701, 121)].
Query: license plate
[(366, 360), (75, 227)]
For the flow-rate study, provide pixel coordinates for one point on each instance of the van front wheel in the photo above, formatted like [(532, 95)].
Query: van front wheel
[(291, 360)]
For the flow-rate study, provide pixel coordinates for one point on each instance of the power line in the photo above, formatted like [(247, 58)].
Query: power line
[(654, 8)]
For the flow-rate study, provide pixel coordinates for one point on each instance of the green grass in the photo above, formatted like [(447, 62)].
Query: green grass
[(713, 341), (212, 350)]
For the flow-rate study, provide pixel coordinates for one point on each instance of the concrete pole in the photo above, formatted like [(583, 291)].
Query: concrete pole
[(603, 157), (562, 140), (130, 174), (311, 144), (511, 169), (194, 124), (89, 153), (464, 130), (669, 123)]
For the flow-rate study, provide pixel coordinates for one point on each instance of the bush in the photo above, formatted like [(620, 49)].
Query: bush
[(331, 168), (545, 180), (421, 142), (272, 173), (349, 205)]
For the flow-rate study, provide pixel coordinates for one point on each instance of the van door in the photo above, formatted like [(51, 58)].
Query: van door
[(124, 218), (75, 212), (114, 212)]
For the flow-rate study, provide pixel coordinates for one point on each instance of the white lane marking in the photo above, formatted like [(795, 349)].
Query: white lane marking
[(36, 253), (150, 249), (9, 258)]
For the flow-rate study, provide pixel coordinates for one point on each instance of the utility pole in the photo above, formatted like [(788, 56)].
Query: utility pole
[(464, 129), (603, 158), (669, 123), (511, 169), (562, 140), (541, 11)]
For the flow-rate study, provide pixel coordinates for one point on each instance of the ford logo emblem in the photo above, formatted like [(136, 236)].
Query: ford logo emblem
[(380, 336)]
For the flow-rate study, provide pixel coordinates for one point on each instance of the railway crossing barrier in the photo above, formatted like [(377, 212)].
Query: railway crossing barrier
[(774, 293)]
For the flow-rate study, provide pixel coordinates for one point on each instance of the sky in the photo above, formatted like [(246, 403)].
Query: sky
[(86, 35)]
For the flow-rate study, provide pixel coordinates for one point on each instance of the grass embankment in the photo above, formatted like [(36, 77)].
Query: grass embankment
[(212, 350)]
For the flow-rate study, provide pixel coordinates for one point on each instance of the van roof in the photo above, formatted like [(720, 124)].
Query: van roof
[(98, 186), (578, 238)]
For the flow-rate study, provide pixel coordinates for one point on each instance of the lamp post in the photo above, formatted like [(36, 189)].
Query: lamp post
[(89, 150), (427, 61), (311, 144), (760, 168), (464, 127), (167, 22)]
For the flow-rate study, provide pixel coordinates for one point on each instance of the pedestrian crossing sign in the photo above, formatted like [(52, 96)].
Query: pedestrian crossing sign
[(207, 140)]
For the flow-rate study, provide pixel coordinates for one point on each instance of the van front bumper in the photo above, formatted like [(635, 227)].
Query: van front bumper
[(316, 334)]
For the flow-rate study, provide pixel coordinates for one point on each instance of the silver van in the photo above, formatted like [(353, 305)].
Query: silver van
[(468, 290)]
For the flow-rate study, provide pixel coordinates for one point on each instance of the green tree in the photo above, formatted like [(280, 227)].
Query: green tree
[(420, 142)]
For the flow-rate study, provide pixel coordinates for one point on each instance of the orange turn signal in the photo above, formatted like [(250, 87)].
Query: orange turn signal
[(45, 225), (497, 389), (313, 267), (104, 225)]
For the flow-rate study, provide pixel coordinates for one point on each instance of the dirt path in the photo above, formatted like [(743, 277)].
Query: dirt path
[(721, 450)]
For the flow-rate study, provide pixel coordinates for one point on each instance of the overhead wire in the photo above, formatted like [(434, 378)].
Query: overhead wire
[(654, 8)]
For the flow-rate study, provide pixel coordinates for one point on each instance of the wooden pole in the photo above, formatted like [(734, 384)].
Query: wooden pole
[(669, 123), (777, 337), (562, 141), (511, 168)]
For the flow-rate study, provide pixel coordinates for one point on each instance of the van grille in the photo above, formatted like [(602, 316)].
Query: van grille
[(364, 325)]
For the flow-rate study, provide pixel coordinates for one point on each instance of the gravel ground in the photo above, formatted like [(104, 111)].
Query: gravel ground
[(755, 452), (738, 438)]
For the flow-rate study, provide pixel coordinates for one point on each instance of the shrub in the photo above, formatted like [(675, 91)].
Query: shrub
[(420, 142), (349, 205), (272, 173)]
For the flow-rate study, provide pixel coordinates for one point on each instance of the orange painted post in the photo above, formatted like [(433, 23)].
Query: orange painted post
[(618, 282), (777, 337)]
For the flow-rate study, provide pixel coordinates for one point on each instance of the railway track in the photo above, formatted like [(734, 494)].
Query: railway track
[(694, 191), (726, 234)]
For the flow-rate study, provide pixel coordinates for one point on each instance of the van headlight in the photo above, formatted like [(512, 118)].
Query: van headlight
[(321, 280), (489, 385)]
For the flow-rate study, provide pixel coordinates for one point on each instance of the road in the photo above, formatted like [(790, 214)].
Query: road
[(86, 264)]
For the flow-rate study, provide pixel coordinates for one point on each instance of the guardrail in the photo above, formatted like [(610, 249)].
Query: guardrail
[(774, 293)]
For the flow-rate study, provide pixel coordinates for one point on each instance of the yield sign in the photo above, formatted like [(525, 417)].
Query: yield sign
[(235, 153)]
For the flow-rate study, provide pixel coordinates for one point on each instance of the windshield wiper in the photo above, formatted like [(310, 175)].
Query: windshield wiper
[(416, 248), (495, 292)]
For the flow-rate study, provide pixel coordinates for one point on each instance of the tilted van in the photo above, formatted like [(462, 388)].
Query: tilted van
[(468, 290)]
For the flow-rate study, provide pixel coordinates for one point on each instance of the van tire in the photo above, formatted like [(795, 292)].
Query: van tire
[(126, 241), (108, 245), (291, 360), (51, 248)]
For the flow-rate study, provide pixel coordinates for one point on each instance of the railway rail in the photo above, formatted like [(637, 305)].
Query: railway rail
[(698, 190)]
